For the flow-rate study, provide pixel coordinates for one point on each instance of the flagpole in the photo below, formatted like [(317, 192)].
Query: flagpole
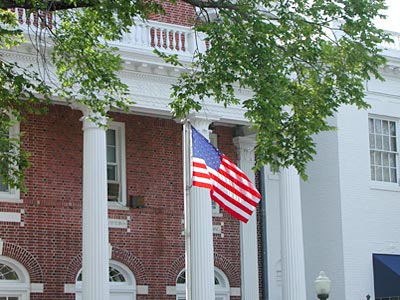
[(186, 186)]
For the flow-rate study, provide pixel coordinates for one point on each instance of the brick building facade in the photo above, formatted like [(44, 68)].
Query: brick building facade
[(148, 240)]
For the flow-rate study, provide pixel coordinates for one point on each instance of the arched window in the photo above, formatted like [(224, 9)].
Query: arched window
[(14, 280), (122, 282), (222, 289)]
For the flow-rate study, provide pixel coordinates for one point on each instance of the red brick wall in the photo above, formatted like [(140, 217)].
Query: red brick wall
[(180, 13), (50, 240)]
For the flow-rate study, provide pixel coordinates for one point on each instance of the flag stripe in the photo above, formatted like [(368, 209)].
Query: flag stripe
[(230, 193), (237, 188), (229, 186), (237, 176), (230, 208)]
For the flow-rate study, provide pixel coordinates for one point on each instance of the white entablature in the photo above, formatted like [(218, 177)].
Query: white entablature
[(149, 78)]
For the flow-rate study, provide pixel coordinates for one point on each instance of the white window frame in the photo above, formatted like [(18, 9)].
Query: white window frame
[(222, 291), (15, 288), (386, 185), (128, 287), (119, 128), (13, 194)]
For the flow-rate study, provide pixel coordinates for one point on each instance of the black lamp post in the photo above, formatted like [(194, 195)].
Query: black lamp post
[(322, 286)]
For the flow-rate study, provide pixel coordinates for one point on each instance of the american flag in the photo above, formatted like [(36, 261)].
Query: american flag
[(228, 185)]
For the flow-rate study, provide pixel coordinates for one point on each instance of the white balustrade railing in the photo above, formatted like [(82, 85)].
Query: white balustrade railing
[(144, 36), (35, 20), (149, 35), (167, 38), (395, 45)]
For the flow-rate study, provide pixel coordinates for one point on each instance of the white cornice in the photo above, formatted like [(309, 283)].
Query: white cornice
[(149, 80)]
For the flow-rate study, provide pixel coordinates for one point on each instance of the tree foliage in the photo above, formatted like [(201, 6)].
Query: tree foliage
[(301, 60)]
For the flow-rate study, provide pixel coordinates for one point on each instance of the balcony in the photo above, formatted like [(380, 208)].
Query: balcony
[(143, 38)]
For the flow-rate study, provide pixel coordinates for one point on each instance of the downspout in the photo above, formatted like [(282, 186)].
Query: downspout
[(264, 243)]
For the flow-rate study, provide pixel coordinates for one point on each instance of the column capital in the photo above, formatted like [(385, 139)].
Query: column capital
[(90, 119), (202, 120), (246, 147)]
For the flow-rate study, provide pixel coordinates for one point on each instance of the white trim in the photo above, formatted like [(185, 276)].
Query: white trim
[(222, 291), (385, 185), (235, 291), (128, 287), (69, 288), (13, 195), (142, 289), (37, 287), (170, 290), (119, 128), (21, 287), (10, 217)]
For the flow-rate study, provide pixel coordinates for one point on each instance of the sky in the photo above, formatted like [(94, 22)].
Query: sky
[(392, 22)]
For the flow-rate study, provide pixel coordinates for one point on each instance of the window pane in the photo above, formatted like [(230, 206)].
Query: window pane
[(393, 175), (392, 128), (371, 141), (112, 172), (378, 127), (378, 141), (7, 273), (378, 173), (378, 160), (111, 154), (386, 174), (393, 146), (110, 136), (116, 276), (371, 125), (216, 281), (386, 143), (392, 160), (372, 173), (385, 127), (372, 157), (181, 278), (385, 159)]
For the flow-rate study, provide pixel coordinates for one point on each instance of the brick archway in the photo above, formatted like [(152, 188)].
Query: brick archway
[(24, 257)]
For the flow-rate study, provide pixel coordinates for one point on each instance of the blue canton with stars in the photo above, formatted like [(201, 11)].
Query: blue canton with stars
[(203, 149)]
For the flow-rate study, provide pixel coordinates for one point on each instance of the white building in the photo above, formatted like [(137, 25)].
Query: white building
[(351, 201)]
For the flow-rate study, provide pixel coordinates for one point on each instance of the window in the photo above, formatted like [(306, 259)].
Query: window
[(122, 282), (383, 150), (222, 289), (115, 140), (8, 194), (14, 280)]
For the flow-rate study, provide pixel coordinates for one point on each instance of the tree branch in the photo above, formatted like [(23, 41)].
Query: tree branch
[(221, 4), (48, 5)]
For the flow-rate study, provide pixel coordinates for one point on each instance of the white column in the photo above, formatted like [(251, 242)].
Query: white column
[(95, 247), (292, 247), (248, 232), (201, 234)]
